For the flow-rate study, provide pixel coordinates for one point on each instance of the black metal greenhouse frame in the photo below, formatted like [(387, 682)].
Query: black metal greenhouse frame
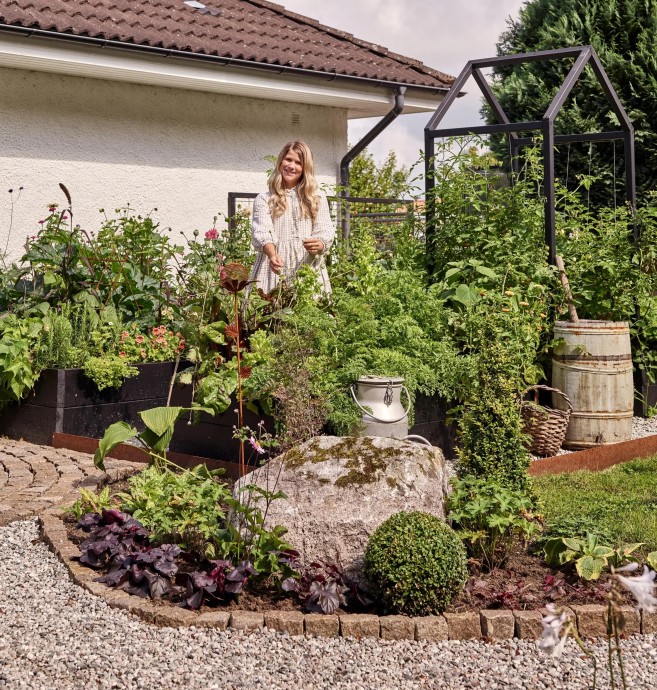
[(583, 55)]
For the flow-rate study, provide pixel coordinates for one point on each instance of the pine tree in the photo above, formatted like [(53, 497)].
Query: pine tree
[(624, 35)]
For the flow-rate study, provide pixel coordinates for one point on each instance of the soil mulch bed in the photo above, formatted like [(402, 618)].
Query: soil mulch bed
[(524, 583)]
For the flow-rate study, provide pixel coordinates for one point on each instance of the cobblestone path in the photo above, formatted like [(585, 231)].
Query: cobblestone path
[(34, 478)]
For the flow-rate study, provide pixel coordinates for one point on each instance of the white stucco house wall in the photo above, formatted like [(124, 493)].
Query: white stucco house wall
[(171, 105)]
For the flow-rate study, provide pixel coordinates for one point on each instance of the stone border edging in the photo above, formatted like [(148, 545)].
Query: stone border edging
[(490, 625)]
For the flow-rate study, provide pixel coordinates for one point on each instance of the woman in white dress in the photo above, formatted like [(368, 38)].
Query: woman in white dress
[(291, 223)]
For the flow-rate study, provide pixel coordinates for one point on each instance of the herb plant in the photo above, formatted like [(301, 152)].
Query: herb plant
[(183, 507)]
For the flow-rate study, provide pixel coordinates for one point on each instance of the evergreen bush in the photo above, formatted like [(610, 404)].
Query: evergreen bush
[(415, 564)]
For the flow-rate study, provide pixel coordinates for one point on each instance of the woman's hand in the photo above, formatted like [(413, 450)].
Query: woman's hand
[(275, 263), (313, 245)]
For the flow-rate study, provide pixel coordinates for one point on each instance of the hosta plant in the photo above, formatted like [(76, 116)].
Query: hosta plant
[(590, 555)]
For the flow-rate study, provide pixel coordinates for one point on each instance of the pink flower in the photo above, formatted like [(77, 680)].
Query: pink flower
[(256, 446), (139, 339), (212, 234)]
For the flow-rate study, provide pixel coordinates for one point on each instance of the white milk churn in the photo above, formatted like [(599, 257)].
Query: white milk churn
[(379, 399)]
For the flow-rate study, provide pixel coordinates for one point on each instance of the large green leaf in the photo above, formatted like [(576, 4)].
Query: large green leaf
[(161, 419), (158, 443), (215, 332), (590, 568), (116, 433), (553, 549), (651, 560), (465, 295)]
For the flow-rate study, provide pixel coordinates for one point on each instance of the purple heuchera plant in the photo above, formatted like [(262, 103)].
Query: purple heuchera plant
[(223, 581), (120, 544)]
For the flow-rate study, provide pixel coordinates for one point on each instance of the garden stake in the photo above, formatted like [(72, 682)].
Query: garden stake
[(239, 382)]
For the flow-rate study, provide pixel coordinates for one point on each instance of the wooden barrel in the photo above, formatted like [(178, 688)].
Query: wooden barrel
[(592, 365)]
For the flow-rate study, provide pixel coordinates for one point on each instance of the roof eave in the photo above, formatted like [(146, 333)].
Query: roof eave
[(438, 90)]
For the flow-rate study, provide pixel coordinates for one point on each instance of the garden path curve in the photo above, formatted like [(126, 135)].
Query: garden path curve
[(35, 479)]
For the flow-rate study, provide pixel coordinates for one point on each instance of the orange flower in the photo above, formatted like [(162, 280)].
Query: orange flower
[(122, 354)]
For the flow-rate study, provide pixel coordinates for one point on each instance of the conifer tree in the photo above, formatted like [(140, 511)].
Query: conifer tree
[(624, 35)]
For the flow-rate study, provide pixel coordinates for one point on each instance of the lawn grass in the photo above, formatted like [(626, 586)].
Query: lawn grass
[(622, 500)]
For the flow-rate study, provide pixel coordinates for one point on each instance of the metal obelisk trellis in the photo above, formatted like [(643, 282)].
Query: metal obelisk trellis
[(584, 55)]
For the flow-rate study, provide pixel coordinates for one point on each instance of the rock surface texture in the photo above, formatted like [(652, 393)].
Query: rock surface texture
[(340, 489)]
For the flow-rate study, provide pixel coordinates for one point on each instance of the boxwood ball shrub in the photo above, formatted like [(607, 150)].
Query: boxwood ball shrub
[(415, 564)]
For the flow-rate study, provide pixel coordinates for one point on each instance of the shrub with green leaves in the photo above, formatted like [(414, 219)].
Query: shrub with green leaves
[(415, 564), (491, 519), (492, 440)]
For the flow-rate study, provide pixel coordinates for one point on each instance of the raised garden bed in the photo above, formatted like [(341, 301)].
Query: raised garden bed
[(65, 401)]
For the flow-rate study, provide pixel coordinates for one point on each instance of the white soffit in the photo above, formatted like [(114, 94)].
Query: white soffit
[(62, 57)]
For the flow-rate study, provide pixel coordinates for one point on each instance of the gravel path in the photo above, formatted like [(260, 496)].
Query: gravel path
[(53, 635)]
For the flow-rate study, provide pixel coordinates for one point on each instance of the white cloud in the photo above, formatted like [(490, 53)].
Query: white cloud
[(444, 35)]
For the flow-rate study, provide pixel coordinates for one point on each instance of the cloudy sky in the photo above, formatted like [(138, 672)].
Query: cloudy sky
[(444, 34)]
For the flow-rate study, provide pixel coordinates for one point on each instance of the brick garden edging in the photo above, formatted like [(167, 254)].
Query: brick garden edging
[(490, 625)]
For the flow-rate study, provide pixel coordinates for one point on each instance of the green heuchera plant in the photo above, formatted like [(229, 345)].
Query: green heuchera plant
[(590, 556), (181, 507), (415, 564), (491, 519)]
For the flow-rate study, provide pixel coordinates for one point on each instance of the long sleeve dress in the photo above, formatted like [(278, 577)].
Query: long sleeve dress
[(287, 233)]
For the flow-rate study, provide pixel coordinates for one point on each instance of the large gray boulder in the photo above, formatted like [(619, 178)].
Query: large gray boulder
[(340, 489)]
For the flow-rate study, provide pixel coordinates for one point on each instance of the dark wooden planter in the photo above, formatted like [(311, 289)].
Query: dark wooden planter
[(212, 437), (66, 401), (431, 423), (645, 394)]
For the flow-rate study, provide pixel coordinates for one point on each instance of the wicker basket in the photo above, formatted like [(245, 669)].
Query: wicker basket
[(546, 426)]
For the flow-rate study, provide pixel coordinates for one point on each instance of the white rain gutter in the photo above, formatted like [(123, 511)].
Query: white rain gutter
[(44, 51)]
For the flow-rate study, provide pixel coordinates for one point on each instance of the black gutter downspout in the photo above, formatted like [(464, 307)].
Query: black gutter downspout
[(361, 146)]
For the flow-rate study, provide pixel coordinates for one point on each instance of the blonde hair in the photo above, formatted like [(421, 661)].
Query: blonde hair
[(306, 187)]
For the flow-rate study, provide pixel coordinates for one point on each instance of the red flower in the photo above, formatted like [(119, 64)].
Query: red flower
[(212, 234)]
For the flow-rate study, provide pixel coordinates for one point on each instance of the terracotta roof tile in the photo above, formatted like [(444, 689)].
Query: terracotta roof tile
[(254, 30)]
